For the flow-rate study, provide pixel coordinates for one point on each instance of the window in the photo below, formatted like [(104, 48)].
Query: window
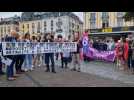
[(72, 25), (120, 14), (104, 14), (8, 29), (92, 25), (93, 16), (5, 29), (28, 26), (38, 28), (105, 20), (23, 27), (119, 22), (120, 19), (1, 29), (51, 29), (33, 27), (51, 22), (105, 25), (45, 25), (92, 20), (77, 26)]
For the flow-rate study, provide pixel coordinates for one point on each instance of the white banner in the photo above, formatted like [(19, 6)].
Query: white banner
[(16, 48)]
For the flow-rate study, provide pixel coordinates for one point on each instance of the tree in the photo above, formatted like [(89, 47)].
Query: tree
[(129, 16)]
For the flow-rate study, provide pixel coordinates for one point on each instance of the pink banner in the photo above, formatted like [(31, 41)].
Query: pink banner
[(101, 55)]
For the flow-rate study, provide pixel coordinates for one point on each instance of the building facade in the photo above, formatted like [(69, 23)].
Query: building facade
[(65, 23), (105, 21), (8, 24)]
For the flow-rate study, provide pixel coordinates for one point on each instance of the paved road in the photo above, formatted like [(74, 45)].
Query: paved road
[(93, 75)]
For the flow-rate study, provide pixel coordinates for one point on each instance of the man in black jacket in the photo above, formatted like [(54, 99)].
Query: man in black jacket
[(49, 56)]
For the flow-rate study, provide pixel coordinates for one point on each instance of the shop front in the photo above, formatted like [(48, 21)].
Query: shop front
[(114, 33)]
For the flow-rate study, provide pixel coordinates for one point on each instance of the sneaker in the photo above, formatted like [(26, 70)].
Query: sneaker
[(39, 65), (25, 70), (31, 69), (11, 79), (53, 71), (73, 69), (22, 71), (32, 66)]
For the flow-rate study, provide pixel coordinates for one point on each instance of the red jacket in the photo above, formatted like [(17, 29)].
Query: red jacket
[(126, 47)]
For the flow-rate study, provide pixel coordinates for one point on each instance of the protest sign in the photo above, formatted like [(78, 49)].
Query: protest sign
[(16, 48), (6, 61), (101, 55)]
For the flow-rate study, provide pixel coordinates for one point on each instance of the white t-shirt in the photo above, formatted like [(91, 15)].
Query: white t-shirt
[(66, 54)]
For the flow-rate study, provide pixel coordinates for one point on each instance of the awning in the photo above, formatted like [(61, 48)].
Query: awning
[(119, 32)]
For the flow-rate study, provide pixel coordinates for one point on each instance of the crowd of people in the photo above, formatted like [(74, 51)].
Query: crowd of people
[(124, 51), (27, 62)]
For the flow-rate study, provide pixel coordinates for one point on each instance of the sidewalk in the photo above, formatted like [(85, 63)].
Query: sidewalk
[(94, 74), (107, 70)]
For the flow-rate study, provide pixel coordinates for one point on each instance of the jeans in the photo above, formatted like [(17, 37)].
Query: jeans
[(28, 61), (10, 69), (48, 57), (19, 62), (43, 59)]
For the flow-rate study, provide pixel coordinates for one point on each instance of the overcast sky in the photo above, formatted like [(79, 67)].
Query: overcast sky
[(9, 14)]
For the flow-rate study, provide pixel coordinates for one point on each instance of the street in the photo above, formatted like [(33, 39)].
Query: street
[(94, 74)]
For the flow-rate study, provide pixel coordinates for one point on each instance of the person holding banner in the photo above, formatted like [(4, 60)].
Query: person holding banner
[(49, 56), (10, 71), (28, 57), (39, 56), (20, 58), (76, 55), (34, 40)]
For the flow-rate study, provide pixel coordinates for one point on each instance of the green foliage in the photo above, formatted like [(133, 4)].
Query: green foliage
[(129, 16)]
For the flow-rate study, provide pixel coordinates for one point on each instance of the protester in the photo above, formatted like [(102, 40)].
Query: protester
[(130, 51), (10, 71), (28, 57), (59, 39), (76, 55), (126, 47), (70, 57), (132, 57), (20, 58), (43, 55), (49, 56), (39, 56), (119, 54), (1, 72), (34, 58)]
